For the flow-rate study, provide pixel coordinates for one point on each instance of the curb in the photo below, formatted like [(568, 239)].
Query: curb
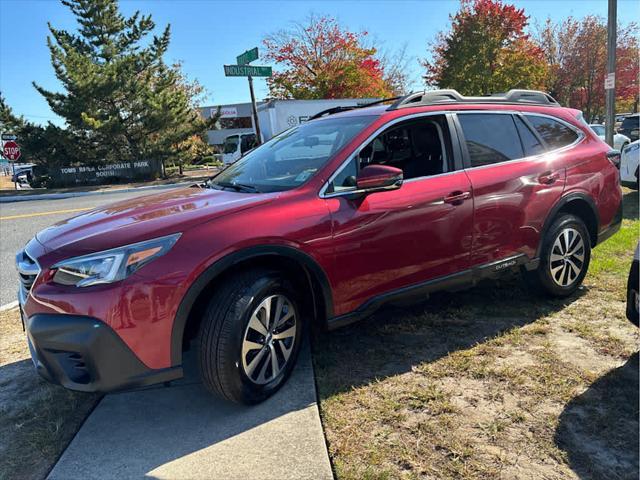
[(9, 306), (57, 196)]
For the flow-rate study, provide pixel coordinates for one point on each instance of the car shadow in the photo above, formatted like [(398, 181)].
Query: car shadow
[(165, 432), (630, 208), (599, 428), (397, 338)]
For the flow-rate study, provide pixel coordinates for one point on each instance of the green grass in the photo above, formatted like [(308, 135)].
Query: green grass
[(614, 255)]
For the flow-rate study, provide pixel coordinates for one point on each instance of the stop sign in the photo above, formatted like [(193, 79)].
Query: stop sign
[(11, 151)]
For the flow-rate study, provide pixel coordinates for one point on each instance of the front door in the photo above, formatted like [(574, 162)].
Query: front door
[(385, 241)]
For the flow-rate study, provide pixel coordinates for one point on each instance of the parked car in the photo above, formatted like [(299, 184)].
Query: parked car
[(629, 162), (633, 298), (631, 127), (318, 228), (619, 141)]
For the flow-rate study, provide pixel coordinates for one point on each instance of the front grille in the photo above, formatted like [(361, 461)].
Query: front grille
[(28, 270)]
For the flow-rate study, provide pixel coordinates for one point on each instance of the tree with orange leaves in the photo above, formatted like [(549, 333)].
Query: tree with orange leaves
[(486, 51), (321, 59)]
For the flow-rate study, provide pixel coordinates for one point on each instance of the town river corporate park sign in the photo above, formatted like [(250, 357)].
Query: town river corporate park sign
[(102, 174)]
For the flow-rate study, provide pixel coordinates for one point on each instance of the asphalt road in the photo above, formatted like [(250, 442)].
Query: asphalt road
[(20, 221)]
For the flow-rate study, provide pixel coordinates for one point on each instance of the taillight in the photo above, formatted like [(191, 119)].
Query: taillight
[(614, 157)]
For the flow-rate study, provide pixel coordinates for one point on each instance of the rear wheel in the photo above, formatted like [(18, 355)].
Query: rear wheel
[(564, 258), (250, 337)]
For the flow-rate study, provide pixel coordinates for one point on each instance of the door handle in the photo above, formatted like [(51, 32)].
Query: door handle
[(457, 198), (547, 178)]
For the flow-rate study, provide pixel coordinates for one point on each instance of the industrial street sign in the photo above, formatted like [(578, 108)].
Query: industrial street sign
[(246, 71), (11, 151), (243, 69), (247, 57), (8, 136)]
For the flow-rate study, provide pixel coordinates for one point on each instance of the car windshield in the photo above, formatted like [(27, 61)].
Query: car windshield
[(291, 158), (231, 144), (599, 129), (631, 122)]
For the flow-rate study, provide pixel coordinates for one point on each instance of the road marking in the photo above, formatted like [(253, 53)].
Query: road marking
[(9, 306), (41, 214)]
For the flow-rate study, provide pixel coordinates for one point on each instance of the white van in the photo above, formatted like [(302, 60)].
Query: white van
[(235, 146)]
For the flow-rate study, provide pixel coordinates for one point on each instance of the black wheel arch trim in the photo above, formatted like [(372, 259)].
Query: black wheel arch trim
[(562, 202), (309, 264)]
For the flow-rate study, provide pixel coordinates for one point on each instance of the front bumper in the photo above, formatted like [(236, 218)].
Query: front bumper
[(82, 353)]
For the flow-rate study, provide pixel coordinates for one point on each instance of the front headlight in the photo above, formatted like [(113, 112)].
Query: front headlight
[(111, 265)]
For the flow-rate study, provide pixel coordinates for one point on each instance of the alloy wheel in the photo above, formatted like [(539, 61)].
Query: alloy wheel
[(269, 339), (567, 257)]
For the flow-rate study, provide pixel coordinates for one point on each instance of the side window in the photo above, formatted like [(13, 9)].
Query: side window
[(420, 148), (490, 138), (530, 142), (555, 133)]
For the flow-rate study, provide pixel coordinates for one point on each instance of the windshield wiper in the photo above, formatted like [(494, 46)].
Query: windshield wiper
[(238, 187)]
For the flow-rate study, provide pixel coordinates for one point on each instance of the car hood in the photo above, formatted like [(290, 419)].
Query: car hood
[(144, 218)]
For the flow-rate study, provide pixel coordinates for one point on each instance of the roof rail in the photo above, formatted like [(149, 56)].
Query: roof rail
[(440, 97), (331, 111)]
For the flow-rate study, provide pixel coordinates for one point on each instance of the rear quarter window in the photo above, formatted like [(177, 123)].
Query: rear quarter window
[(554, 132)]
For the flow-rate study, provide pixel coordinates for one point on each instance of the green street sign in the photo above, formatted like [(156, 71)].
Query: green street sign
[(247, 57), (246, 71)]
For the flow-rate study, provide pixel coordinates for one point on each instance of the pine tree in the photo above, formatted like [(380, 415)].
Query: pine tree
[(121, 101)]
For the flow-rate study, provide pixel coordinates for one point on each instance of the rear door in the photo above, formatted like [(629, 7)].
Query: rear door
[(515, 178)]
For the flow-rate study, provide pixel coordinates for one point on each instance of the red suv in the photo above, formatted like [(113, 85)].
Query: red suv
[(318, 227)]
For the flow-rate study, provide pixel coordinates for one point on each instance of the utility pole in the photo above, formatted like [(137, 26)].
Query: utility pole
[(610, 81), (254, 110)]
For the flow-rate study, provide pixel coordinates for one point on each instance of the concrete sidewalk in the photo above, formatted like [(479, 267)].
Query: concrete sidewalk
[(182, 432)]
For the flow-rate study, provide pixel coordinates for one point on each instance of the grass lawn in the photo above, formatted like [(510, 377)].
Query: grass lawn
[(491, 382)]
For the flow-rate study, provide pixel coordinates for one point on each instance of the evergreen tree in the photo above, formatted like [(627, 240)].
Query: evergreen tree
[(121, 101)]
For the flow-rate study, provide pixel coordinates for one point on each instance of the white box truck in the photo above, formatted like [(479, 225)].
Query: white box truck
[(276, 116)]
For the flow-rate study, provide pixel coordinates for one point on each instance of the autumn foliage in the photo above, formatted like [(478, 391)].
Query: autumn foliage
[(321, 59), (485, 51), (576, 52)]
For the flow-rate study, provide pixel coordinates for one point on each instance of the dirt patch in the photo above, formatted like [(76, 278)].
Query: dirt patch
[(488, 383), (37, 419)]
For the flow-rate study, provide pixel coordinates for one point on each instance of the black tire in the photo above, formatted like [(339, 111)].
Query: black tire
[(542, 279), (223, 330)]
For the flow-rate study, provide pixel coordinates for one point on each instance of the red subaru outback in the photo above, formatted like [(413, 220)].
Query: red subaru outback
[(320, 225)]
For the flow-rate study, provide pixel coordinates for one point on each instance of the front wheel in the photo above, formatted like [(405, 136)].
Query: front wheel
[(250, 337), (564, 258)]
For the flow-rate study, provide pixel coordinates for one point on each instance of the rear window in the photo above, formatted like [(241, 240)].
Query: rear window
[(631, 122), (554, 132), (490, 138)]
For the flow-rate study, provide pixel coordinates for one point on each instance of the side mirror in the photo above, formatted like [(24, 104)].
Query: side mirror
[(374, 178)]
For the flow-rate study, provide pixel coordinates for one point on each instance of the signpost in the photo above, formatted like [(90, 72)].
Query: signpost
[(11, 151), (243, 69), (610, 81)]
